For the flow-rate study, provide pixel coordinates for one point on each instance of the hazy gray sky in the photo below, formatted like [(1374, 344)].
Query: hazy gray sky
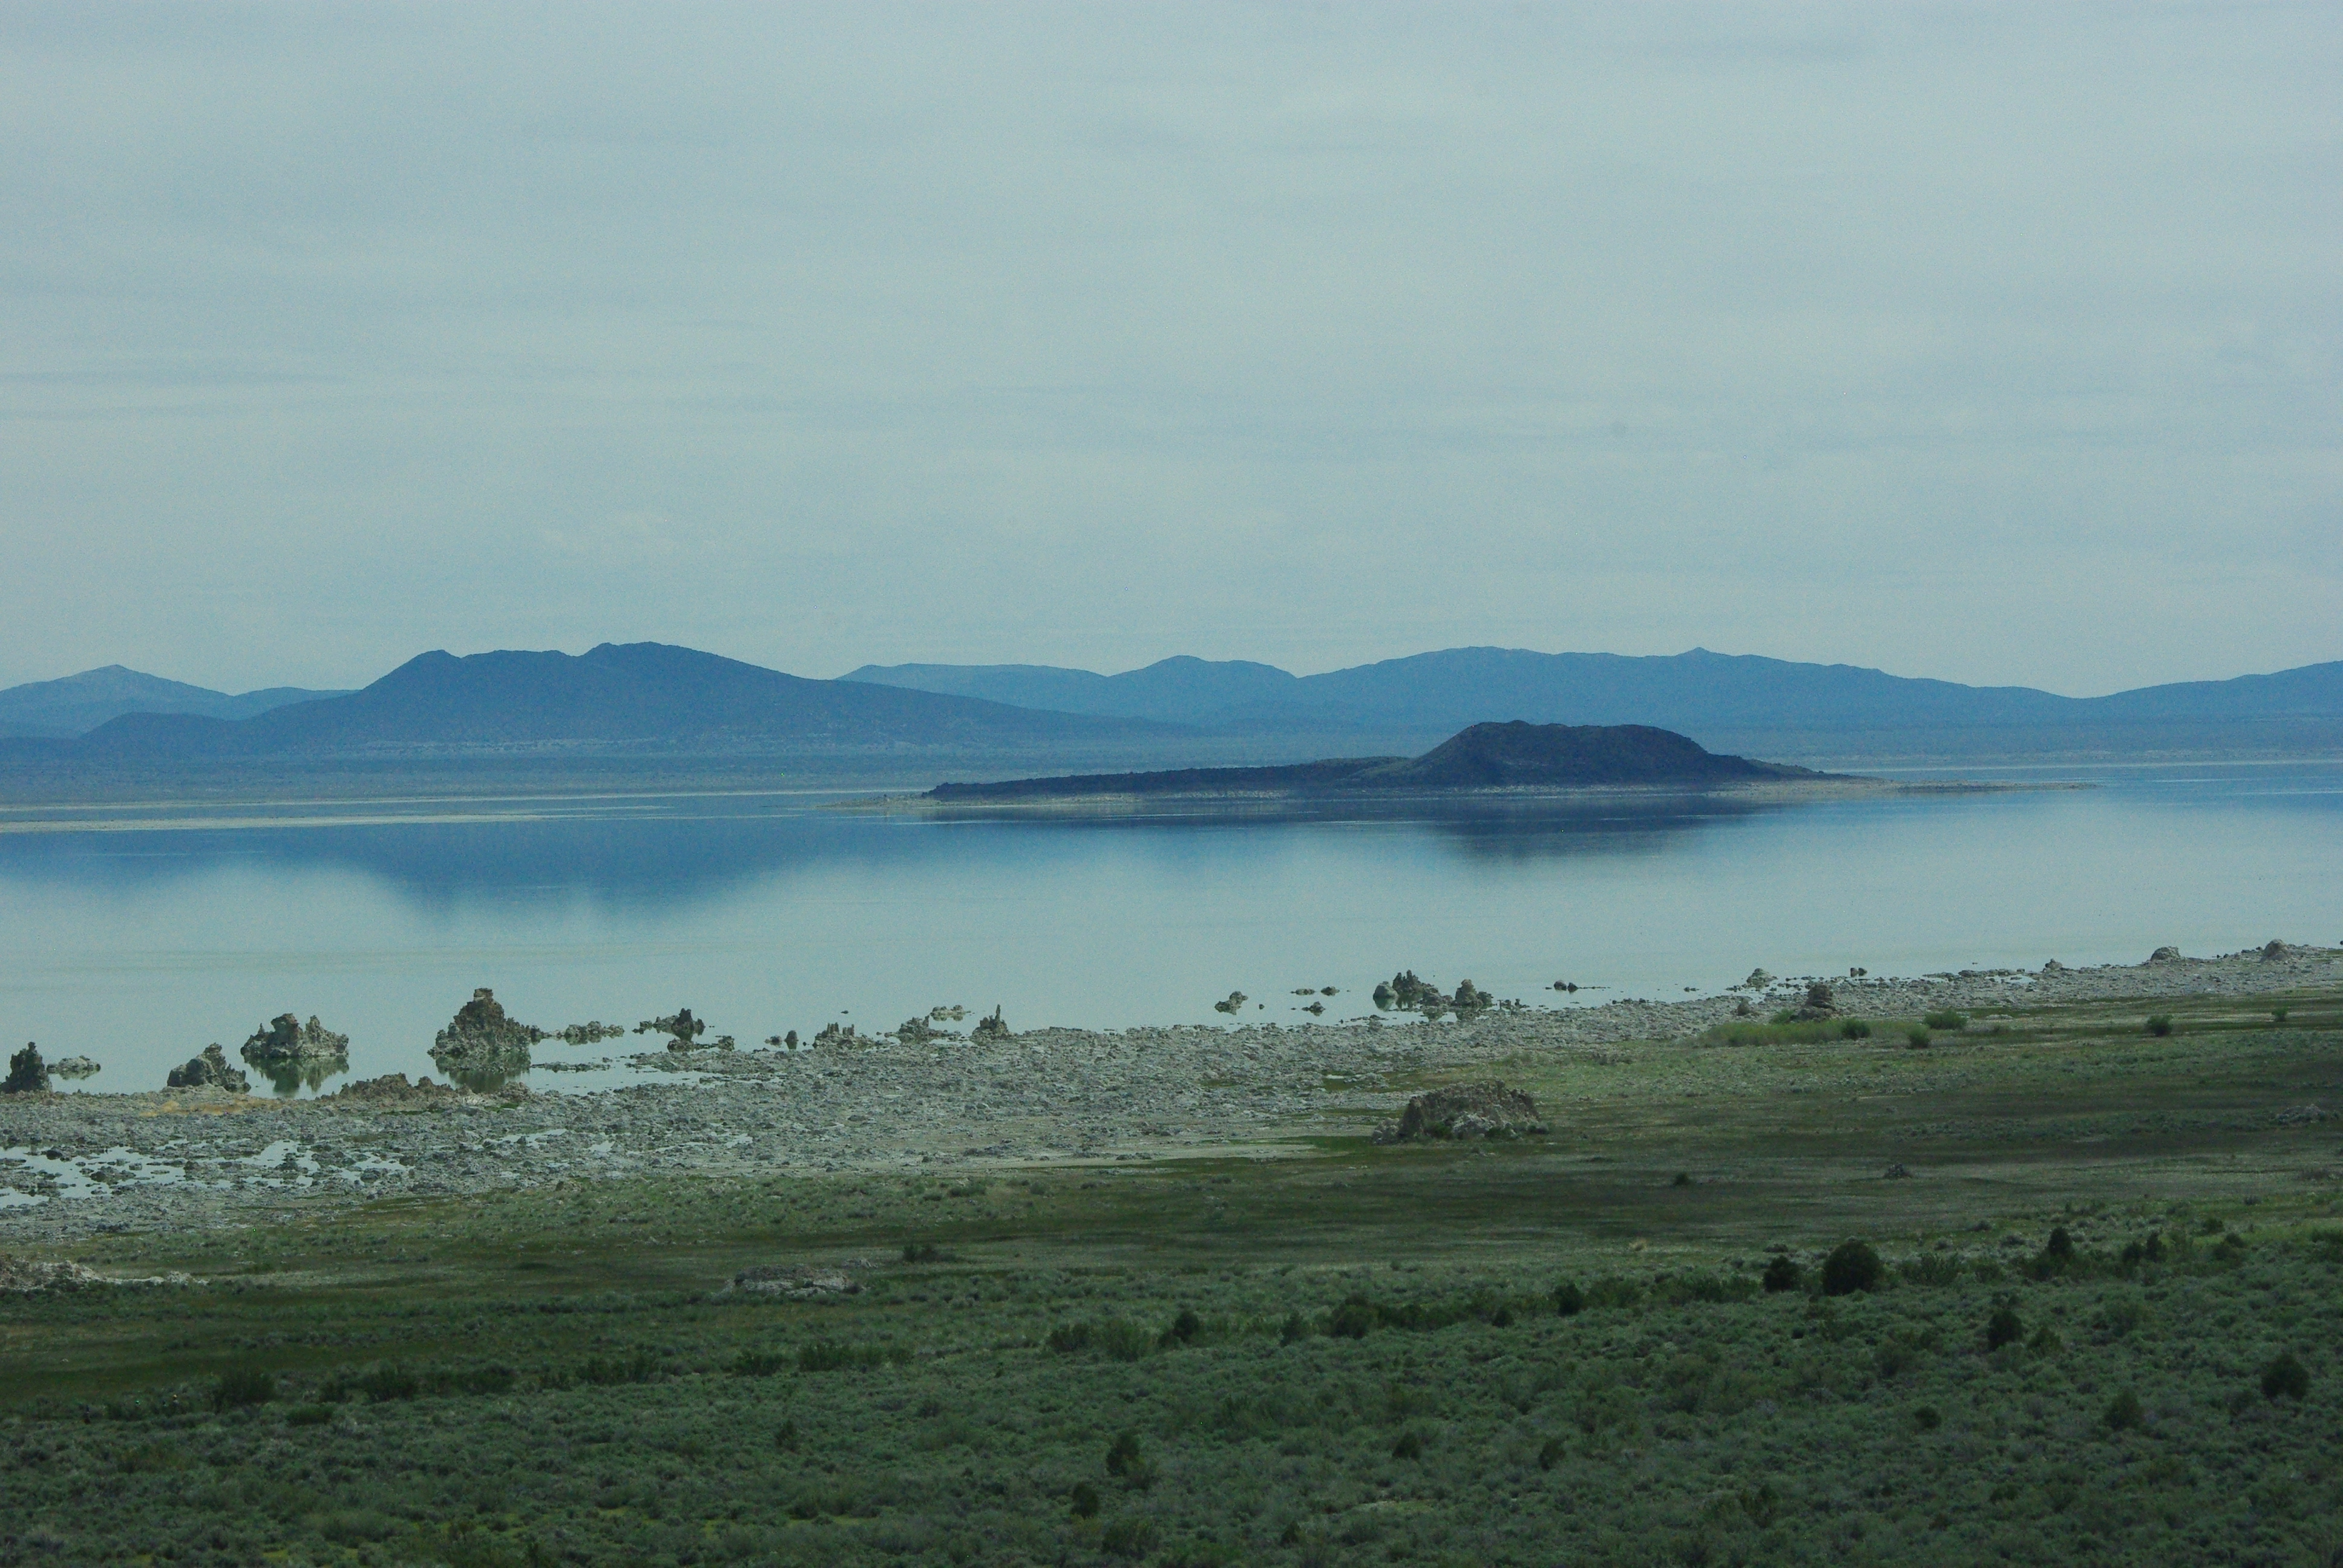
[(2000, 343)]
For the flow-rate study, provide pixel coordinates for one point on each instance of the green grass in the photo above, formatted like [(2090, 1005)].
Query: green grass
[(1357, 1355)]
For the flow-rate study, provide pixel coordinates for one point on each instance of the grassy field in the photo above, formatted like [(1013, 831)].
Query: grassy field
[(2104, 1329)]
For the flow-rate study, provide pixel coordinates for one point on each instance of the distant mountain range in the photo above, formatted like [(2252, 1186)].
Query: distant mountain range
[(639, 695), (1508, 756), (79, 703), (1715, 697), (645, 699)]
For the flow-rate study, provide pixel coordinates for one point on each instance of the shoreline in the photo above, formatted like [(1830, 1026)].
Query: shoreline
[(81, 1163), (1769, 793)]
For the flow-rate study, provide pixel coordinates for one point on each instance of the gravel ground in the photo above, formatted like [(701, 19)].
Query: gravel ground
[(73, 1164)]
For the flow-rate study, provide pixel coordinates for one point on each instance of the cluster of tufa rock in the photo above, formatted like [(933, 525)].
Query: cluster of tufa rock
[(208, 1071), (990, 1026), (481, 1038), (1486, 1110), (682, 1029), (285, 1038), (1404, 989), (27, 1073)]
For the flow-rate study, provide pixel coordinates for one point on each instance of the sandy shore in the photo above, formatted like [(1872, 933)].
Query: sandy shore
[(73, 1164)]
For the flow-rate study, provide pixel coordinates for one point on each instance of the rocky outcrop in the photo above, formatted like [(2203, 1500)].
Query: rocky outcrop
[(991, 1026), (792, 1282), (482, 1038), (286, 1039), (76, 1067), (1487, 1109), (209, 1071), (26, 1276), (2165, 955), (26, 1072)]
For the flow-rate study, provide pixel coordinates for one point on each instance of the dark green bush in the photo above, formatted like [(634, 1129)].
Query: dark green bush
[(1569, 1301), (2160, 1024), (1927, 1418), (1295, 1329), (1552, 1452), (1409, 1446), (823, 1355), (1133, 1535), (1683, 1179), (759, 1363), (1783, 1273), (1613, 1291), (1855, 1029), (242, 1386), (1353, 1318), (2004, 1328), (1918, 1037), (2278, 1016), (383, 1384), (924, 1253), (1122, 1455), (2286, 1378), (1851, 1266), (1184, 1328), (642, 1366), (2122, 1411), (1946, 1018), (1084, 1499)]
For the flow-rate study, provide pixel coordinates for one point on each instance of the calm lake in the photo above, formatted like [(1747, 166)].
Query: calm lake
[(136, 944)]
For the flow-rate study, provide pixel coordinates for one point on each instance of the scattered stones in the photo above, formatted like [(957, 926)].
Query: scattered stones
[(1758, 980), (481, 1039), (286, 1039), (26, 1072), (1487, 1109), (76, 1067), (591, 1033), (793, 1282), (392, 1090), (1897, 1173), (2302, 1116), (209, 1071), (2052, 966), (1236, 999)]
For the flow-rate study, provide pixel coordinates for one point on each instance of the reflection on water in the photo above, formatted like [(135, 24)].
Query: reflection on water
[(767, 915), (288, 1078)]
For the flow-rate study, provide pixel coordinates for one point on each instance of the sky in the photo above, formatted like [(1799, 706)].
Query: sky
[(1999, 343)]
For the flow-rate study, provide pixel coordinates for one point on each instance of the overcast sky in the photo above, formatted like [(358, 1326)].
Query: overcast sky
[(1999, 343)]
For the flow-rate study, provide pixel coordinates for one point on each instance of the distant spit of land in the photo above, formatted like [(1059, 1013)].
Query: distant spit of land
[(1513, 758)]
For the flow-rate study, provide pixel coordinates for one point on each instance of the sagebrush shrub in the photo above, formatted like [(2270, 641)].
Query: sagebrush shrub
[(241, 1386), (1855, 1029), (1851, 1266), (2004, 1328), (2122, 1411), (1783, 1273), (1946, 1018), (2285, 1378), (1569, 1301), (2160, 1024)]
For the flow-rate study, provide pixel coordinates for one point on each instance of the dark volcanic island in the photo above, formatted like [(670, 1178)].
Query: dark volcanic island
[(1511, 756)]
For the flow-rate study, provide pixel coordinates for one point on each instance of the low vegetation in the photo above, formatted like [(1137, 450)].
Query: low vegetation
[(2098, 1323)]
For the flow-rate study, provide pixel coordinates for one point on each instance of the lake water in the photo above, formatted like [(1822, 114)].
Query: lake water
[(138, 944)]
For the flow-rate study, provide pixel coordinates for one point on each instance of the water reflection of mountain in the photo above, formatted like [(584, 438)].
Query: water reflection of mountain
[(671, 858)]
